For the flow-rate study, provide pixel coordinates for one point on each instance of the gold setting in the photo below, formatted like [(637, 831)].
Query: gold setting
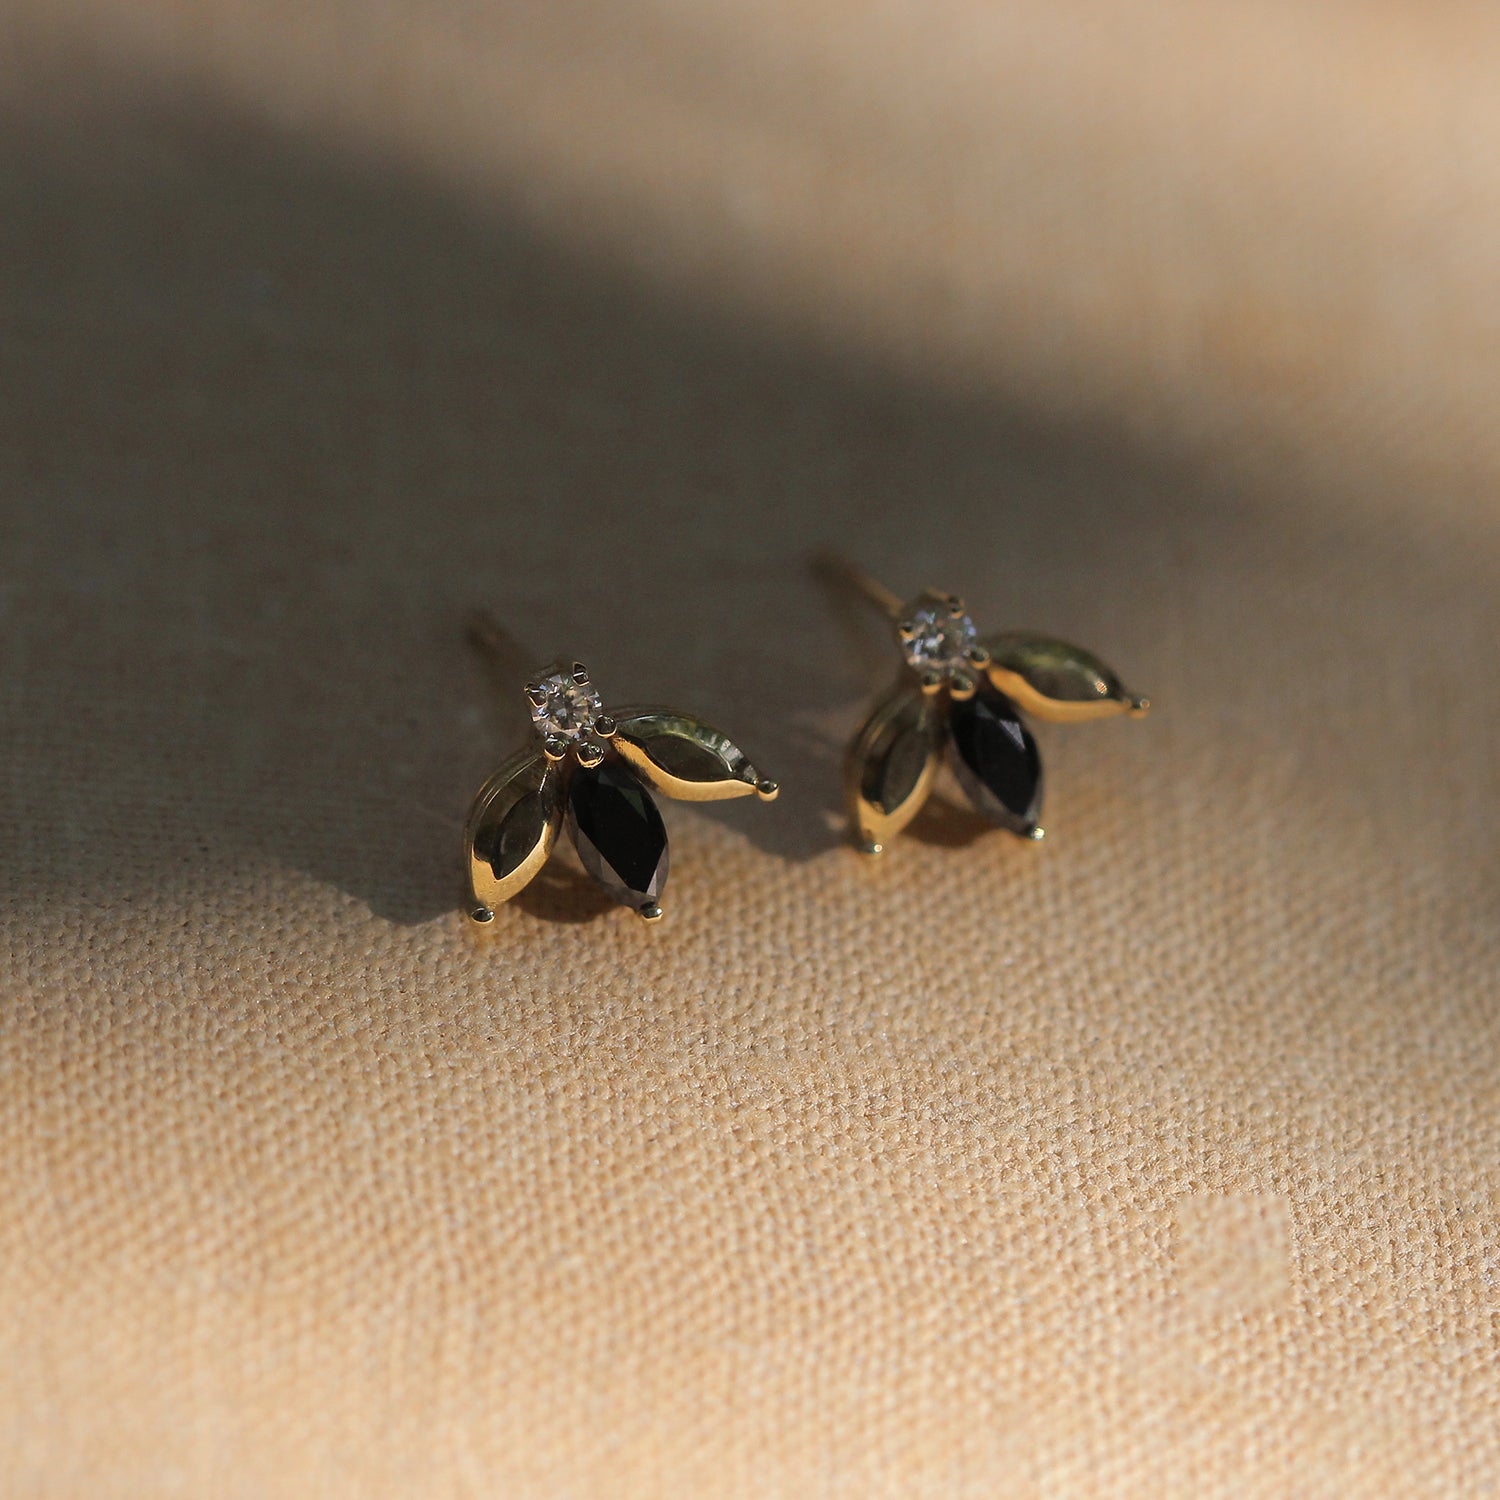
[(1057, 681), (895, 755), (682, 757), (515, 818), (893, 763), (511, 829)]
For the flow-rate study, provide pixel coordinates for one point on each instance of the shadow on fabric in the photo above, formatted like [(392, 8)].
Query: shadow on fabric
[(275, 419)]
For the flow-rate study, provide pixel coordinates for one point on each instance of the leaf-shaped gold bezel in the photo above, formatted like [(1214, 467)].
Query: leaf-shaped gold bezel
[(526, 797), (903, 738), (1057, 681), (680, 756)]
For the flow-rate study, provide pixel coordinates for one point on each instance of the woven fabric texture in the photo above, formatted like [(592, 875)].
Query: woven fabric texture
[(1157, 1160)]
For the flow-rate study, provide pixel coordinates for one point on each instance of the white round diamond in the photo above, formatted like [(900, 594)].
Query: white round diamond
[(567, 708), (936, 635)]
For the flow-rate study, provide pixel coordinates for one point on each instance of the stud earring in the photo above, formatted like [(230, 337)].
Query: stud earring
[(596, 771), (965, 695)]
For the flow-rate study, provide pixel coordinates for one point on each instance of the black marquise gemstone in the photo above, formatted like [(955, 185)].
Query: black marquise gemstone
[(996, 760), (619, 833)]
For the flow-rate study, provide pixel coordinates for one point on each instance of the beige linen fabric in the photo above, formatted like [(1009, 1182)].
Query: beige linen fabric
[(1157, 1160)]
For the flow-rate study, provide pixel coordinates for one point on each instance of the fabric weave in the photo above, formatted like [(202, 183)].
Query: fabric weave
[(1159, 1159)]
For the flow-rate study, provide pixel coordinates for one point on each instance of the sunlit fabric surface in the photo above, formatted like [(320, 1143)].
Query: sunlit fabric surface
[(1157, 1160)]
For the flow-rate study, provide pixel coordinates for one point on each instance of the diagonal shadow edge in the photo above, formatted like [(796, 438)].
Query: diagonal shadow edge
[(276, 418)]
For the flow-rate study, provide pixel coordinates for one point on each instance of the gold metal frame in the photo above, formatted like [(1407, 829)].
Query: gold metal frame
[(517, 814), (896, 751)]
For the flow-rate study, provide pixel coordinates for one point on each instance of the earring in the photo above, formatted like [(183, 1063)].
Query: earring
[(596, 770), (964, 695)]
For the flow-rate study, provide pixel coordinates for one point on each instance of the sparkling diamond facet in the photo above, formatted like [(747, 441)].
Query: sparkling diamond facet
[(936, 634), (568, 707)]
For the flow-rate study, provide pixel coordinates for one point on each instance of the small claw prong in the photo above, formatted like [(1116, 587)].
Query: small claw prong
[(651, 912), (1139, 707), (978, 656), (906, 629), (932, 682), (1037, 834), (961, 688), (554, 747), (580, 674), (590, 753), (481, 914), (536, 696), (766, 790), (956, 607), (605, 727)]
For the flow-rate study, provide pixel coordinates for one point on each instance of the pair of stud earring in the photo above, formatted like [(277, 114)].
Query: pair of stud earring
[(957, 697)]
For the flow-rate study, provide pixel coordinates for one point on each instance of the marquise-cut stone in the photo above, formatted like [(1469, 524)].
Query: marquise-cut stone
[(996, 760), (619, 834), (510, 830), (512, 826)]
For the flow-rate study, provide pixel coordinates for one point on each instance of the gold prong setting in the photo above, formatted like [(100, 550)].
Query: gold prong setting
[(975, 691), (564, 702), (935, 634), (596, 772)]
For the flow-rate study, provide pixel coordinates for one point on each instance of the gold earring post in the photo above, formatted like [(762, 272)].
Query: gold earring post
[(840, 570), (593, 772), (964, 694), (487, 635)]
